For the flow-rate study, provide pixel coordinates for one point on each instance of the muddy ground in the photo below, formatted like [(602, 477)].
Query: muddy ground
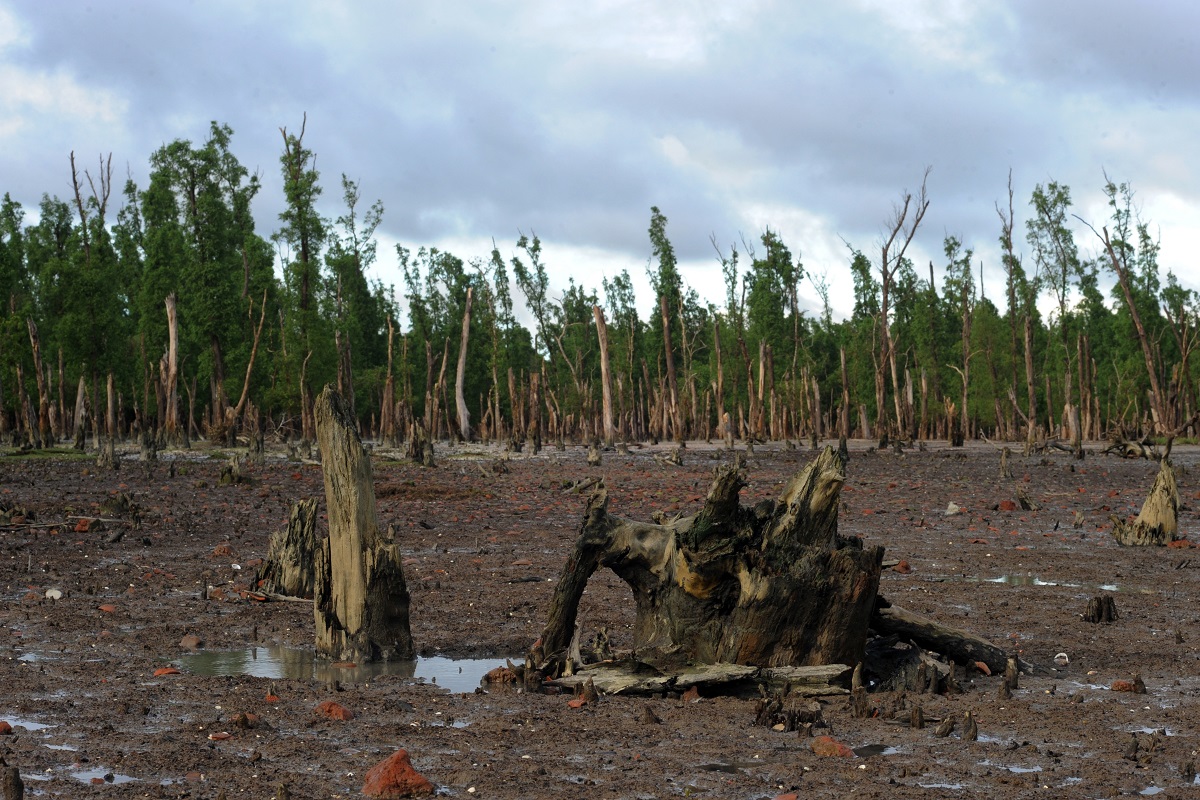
[(91, 718)]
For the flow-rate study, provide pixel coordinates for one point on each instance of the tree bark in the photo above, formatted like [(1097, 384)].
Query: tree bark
[(360, 599), (770, 586), (670, 357)]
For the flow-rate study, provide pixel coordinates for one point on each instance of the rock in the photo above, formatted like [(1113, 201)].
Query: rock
[(952, 509), (827, 746), (5, 728), (500, 675), (692, 695), (54, 594), (335, 711), (396, 778), (1007, 505), (1136, 686), (161, 671), (903, 567), (191, 642)]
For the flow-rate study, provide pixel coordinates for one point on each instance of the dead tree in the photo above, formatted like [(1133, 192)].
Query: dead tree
[(360, 599), (773, 585), (460, 374), (610, 435), (107, 458), (1158, 522), (170, 376), (288, 567)]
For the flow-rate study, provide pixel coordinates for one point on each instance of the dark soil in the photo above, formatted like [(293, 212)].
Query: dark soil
[(483, 551)]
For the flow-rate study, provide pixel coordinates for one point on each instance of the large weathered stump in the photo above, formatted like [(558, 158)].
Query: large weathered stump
[(1158, 521), (773, 585), (360, 600)]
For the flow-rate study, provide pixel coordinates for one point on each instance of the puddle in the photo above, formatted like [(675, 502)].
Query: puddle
[(69, 747), (868, 750), (942, 785), (1152, 790), (88, 775), (27, 724), (457, 675)]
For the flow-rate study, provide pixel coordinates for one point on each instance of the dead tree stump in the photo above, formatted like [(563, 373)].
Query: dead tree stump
[(11, 785), (360, 599), (1158, 522), (288, 568), (1102, 608), (773, 585)]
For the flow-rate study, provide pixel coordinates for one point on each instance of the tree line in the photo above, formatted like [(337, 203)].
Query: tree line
[(161, 312)]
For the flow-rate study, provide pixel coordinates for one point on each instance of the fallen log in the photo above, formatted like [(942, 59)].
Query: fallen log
[(634, 678), (958, 645)]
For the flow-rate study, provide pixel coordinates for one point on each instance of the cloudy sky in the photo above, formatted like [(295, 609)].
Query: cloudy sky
[(479, 120)]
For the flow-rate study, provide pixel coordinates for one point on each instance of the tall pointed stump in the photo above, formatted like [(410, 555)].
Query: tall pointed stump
[(360, 600), (1158, 522)]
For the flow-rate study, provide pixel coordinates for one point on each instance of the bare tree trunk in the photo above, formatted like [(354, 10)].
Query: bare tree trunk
[(232, 414), (606, 391), (44, 437), (533, 428), (108, 449), (844, 417), (360, 602), (1030, 387), (171, 423), (670, 356), (387, 406), (460, 374)]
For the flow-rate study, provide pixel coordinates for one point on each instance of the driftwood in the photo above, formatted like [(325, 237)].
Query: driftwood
[(768, 586), (634, 678), (361, 602), (288, 568), (1128, 449), (1158, 522)]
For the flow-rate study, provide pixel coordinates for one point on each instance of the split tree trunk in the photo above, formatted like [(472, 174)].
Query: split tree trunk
[(360, 599), (773, 585)]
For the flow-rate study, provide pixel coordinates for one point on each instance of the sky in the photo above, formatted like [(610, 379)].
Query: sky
[(476, 121)]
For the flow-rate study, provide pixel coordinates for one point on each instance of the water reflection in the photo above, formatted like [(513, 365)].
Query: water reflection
[(277, 662)]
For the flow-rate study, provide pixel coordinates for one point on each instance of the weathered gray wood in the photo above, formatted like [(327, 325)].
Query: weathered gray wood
[(1158, 521), (773, 585), (959, 645), (633, 678), (289, 567), (361, 602)]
